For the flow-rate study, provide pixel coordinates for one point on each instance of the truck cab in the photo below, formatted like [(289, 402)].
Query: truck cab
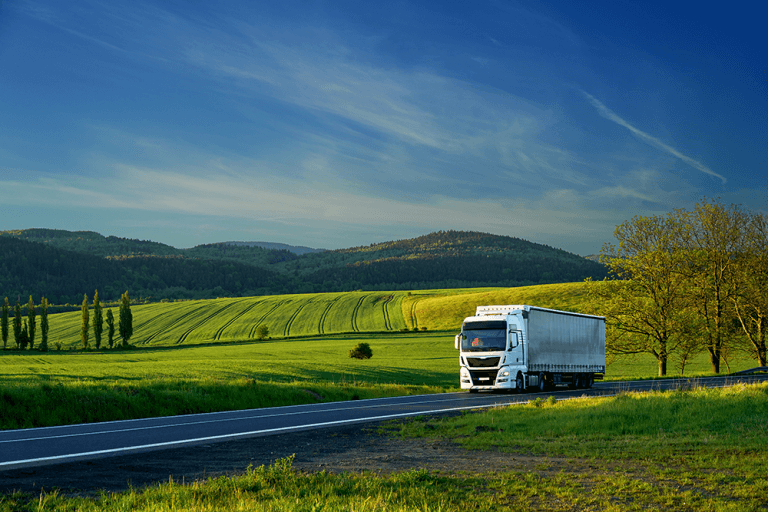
[(492, 352)]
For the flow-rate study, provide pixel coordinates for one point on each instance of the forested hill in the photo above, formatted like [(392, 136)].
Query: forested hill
[(62, 265)]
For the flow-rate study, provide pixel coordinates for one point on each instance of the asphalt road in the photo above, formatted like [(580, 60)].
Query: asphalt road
[(54, 445)]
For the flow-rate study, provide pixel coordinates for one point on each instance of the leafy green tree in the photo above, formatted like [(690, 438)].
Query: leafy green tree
[(715, 248), (24, 336), (110, 328), (262, 332), (44, 324), (361, 351), (644, 300), (4, 322), (17, 324), (98, 320), (750, 303), (125, 319), (84, 332), (31, 315)]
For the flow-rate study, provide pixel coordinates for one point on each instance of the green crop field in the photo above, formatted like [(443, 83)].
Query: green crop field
[(288, 316)]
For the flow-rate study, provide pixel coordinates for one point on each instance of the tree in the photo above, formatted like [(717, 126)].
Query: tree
[(714, 244), (110, 328), (84, 333), (98, 320), (361, 351), (644, 299), (4, 322), (750, 303), (262, 332), (17, 324), (44, 324), (125, 319), (24, 336), (32, 322)]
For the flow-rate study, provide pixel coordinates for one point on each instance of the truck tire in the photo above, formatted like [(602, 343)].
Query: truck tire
[(519, 383), (542, 382), (590, 380)]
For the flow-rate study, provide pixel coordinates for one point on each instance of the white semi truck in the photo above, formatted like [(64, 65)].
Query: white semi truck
[(527, 347)]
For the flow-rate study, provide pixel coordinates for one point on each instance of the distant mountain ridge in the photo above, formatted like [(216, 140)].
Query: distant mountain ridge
[(296, 249), (63, 265)]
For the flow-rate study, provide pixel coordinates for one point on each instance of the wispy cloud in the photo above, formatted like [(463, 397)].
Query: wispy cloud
[(612, 116)]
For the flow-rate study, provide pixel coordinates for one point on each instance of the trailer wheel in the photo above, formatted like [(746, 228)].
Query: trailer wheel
[(590, 380), (578, 381), (542, 382), (519, 383)]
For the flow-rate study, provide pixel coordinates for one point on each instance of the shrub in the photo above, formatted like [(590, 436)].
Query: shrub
[(361, 351)]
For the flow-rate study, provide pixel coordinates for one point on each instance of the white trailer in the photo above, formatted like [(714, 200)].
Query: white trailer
[(521, 347)]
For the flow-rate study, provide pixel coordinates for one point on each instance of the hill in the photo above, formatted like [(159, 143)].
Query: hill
[(46, 262)]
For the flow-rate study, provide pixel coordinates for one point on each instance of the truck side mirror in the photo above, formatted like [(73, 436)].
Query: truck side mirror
[(512, 339), (456, 341)]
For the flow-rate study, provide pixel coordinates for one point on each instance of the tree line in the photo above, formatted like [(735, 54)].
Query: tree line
[(686, 283), (25, 329)]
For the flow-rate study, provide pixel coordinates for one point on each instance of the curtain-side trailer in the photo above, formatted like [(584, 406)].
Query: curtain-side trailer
[(519, 347)]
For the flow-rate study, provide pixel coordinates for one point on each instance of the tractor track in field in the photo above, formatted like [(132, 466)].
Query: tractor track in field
[(324, 315), (355, 311), (265, 315), (219, 333), (287, 330), (414, 323), (175, 322), (203, 321), (387, 322)]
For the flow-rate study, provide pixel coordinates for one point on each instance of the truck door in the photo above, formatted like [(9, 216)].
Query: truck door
[(515, 352)]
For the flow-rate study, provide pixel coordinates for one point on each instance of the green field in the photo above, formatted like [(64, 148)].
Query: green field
[(289, 316)]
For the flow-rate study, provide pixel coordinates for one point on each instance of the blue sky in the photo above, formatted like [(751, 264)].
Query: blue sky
[(338, 124)]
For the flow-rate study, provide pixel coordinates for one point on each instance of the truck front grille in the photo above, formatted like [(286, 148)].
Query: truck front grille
[(483, 362), (483, 377)]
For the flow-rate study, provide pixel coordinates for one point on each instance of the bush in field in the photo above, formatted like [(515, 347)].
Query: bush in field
[(361, 351), (262, 332)]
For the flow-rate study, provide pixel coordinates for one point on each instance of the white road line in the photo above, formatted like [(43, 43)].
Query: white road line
[(218, 420), (182, 442)]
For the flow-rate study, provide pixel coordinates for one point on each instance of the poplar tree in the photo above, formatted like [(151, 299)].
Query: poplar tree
[(44, 324), (6, 308), (17, 324), (32, 318), (125, 319), (110, 328), (84, 326), (98, 320)]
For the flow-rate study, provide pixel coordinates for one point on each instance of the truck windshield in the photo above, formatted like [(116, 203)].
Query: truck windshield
[(488, 336)]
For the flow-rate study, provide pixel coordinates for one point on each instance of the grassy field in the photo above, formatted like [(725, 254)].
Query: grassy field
[(288, 316), (678, 451)]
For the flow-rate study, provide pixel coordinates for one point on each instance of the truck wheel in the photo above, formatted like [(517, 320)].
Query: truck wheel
[(590, 380), (519, 383), (542, 382), (578, 381)]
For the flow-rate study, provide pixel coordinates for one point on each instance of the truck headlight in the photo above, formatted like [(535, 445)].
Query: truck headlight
[(504, 374)]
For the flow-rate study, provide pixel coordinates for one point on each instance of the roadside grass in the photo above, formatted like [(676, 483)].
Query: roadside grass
[(678, 450)]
